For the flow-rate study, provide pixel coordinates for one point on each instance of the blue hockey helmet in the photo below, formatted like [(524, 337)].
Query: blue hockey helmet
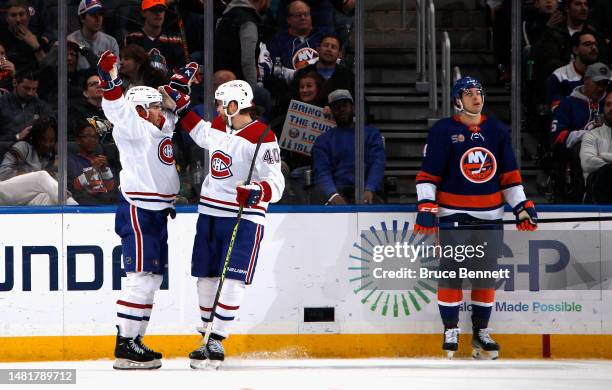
[(463, 84)]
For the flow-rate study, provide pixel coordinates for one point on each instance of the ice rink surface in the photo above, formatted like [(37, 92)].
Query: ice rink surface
[(341, 374)]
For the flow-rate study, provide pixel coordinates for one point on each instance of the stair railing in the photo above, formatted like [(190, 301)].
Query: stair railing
[(446, 75)]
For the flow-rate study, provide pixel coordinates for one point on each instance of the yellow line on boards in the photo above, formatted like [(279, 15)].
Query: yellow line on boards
[(49, 348)]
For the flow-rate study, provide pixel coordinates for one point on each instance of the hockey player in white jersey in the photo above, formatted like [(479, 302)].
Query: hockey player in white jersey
[(149, 185), (231, 139)]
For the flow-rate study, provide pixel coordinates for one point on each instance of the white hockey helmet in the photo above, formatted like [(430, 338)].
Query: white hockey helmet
[(143, 96), (238, 91)]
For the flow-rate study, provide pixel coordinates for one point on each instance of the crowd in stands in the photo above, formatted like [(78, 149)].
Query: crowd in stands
[(287, 50), (567, 57)]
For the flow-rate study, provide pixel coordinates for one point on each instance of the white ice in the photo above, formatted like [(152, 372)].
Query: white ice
[(341, 374)]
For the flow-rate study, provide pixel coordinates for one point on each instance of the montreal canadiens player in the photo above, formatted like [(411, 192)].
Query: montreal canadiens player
[(149, 185), (468, 171), (231, 139)]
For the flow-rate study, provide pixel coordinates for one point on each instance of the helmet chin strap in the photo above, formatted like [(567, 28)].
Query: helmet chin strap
[(229, 117), (459, 105)]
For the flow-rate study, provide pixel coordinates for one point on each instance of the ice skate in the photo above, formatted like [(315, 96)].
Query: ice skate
[(451, 341), (208, 356), (158, 356), (484, 347), (131, 356)]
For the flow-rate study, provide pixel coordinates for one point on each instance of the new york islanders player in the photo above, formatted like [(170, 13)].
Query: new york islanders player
[(231, 139), (468, 171), (149, 185)]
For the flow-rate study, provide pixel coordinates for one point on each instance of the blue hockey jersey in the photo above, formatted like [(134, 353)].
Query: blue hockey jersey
[(470, 169)]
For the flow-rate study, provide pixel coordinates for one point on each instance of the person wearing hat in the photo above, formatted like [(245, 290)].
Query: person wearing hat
[(333, 155), (164, 48), (90, 36), (577, 114)]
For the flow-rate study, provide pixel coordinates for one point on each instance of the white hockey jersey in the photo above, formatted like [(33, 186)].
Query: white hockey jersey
[(148, 176), (230, 160)]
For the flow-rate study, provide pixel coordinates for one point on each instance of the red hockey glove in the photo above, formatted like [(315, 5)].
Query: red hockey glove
[(184, 77), (249, 195), (174, 100), (107, 70), (526, 216), (426, 221)]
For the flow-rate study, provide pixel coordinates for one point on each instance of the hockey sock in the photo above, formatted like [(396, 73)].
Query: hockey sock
[(482, 305), (229, 302), (136, 301), (449, 300)]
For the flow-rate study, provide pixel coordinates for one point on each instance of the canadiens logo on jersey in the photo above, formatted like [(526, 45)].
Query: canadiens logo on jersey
[(478, 165), (220, 164), (166, 152)]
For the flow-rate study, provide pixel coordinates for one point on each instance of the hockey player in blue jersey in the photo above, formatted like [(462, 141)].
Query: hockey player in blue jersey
[(231, 139), (468, 171)]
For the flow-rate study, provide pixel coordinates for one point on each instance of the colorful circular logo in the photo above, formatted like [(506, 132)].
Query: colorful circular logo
[(478, 165), (220, 164), (166, 152)]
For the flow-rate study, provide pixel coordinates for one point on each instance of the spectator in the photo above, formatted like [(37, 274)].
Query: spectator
[(28, 168), (24, 48), (48, 75), (19, 108), (335, 76), (544, 14), (7, 71), (35, 153), (596, 158), (576, 115), (90, 36), (295, 46), (237, 39), (136, 69), (565, 79), (322, 12), (334, 155), (155, 39), (89, 109), (553, 49), (90, 178)]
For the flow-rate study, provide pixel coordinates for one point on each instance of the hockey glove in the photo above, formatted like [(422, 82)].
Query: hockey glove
[(174, 100), (107, 70), (248, 195), (526, 216), (426, 221), (184, 77)]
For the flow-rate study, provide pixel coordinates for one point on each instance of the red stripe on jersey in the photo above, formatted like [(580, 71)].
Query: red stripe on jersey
[(152, 194), (137, 237), (423, 176), (510, 178), (484, 296), (190, 121), (450, 295), (230, 203), (134, 305), (267, 191), (254, 130), (470, 201), (206, 309)]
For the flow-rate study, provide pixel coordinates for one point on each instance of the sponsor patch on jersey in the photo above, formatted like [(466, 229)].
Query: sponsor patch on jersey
[(455, 138), (220, 164), (165, 151), (478, 165)]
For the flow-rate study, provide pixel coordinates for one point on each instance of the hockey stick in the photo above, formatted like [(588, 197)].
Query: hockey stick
[(513, 222), (208, 330)]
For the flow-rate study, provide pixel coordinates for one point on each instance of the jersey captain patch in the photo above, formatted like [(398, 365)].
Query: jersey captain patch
[(220, 164), (478, 165), (165, 151)]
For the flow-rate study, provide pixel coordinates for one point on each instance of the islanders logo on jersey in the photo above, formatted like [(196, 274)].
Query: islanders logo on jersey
[(165, 151), (220, 164), (478, 165)]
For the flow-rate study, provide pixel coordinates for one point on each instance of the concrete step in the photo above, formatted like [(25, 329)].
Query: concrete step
[(461, 38), (382, 56), (396, 5), (445, 19)]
